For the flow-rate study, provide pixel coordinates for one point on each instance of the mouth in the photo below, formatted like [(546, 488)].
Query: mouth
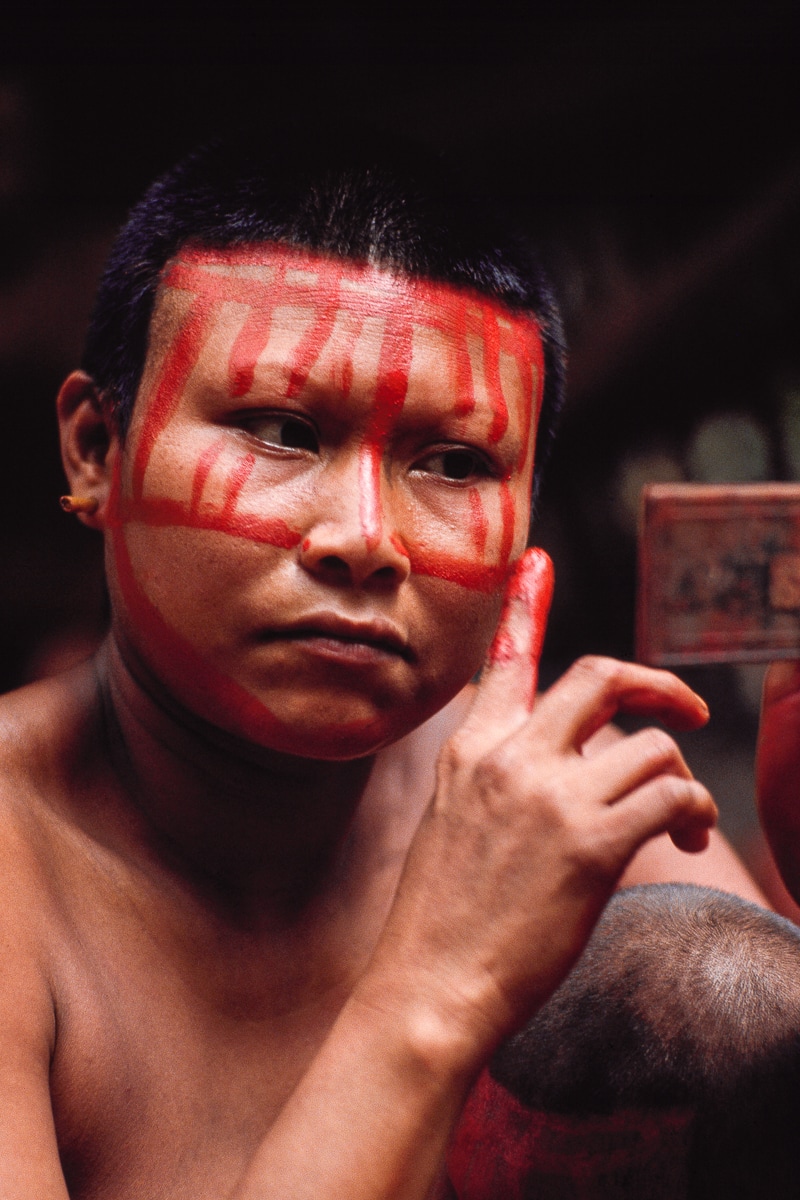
[(336, 636)]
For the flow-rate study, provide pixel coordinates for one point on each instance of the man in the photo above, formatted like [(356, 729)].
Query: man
[(246, 955)]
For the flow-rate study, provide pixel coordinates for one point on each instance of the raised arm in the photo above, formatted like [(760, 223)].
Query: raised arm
[(510, 868)]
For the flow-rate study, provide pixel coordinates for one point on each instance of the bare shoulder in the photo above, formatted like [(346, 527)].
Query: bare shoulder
[(29, 1162)]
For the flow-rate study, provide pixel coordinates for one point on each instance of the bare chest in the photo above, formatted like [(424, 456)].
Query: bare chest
[(172, 1062)]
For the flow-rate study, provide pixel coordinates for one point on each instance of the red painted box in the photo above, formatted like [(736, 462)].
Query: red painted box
[(719, 573)]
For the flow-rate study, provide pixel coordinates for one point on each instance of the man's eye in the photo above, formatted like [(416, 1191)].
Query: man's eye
[(282, 429), (457, 463)]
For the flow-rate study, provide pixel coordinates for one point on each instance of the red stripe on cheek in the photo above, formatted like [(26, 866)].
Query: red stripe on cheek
[(509, 523), (478, 521), (398, 545), (202, 471), (235, 482), (475, 576)]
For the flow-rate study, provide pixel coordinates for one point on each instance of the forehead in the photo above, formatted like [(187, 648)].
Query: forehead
[(274, 279)]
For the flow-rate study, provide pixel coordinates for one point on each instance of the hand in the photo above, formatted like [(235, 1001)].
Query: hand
[(778, 769), (525, 838)]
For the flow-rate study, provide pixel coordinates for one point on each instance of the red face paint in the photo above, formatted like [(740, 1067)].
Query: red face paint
[(386, 372), (522, 634)]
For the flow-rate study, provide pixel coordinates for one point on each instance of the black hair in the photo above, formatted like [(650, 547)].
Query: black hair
[(684, 999), (354, 196)]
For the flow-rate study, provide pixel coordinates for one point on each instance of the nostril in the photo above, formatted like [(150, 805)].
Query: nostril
[(385, 574), (333, 564)]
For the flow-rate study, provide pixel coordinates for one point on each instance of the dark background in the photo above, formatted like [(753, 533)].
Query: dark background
[(654, 155)]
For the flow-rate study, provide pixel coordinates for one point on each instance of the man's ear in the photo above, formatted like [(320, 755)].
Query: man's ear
[(87, 432)]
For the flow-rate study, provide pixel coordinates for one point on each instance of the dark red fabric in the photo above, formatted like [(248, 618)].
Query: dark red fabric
[(504, 1151)]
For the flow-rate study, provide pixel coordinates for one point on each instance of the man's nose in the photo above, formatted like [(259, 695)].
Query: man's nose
[(354, 540)]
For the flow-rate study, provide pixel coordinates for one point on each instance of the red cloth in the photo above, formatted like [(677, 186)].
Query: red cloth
[(504, 1151)]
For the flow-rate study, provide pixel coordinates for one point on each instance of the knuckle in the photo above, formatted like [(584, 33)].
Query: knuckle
[(496, 772), (603, 672), (675, 793), (658, 746)]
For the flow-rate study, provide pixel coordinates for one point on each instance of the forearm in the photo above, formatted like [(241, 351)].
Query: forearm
[(658, 861), (372, 1116)]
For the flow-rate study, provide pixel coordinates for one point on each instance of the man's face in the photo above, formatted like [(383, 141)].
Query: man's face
[(323, 490)]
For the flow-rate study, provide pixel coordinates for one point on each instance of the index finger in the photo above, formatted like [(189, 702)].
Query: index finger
[(508, 683)]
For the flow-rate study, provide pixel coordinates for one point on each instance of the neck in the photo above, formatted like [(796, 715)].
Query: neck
[(252, 824)]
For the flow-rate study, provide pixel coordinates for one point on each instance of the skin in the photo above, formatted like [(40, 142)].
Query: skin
[(247, 954)]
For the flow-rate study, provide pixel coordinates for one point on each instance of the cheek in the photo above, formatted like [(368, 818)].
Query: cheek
[(459, 624), (472, 537), (190, 576)]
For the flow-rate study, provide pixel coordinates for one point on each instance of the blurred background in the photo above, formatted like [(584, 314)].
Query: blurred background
[(656, 158)]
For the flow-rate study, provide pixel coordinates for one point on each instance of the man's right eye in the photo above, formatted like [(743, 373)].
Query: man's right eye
[(284, 429)]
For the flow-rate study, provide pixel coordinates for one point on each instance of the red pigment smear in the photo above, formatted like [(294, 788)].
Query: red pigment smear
[(394, 365), (531, 584), (503, 1148), (251, 342), (462, 363), (491, 372), (466, 572), (398, 545), (313, 342), (202, 471), (527, 350), (478, 521), (178, 365), (271, 531), (225, 701), (509, 522), (391, 389), (235, 482), (247, 348)]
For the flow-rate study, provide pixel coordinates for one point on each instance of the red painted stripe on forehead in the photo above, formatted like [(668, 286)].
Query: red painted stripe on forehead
[(391, 387), (529, 354), (462, 363), (491, 372), (246, 350), (313, 342), (179, 362)]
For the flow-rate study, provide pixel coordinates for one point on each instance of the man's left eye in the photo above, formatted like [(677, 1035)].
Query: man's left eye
[(457, 463)]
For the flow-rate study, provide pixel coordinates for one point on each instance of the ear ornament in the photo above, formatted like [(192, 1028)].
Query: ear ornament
[(79, 504)]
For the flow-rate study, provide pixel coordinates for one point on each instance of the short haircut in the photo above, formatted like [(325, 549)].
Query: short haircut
[(687, 999), (355, 196)]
